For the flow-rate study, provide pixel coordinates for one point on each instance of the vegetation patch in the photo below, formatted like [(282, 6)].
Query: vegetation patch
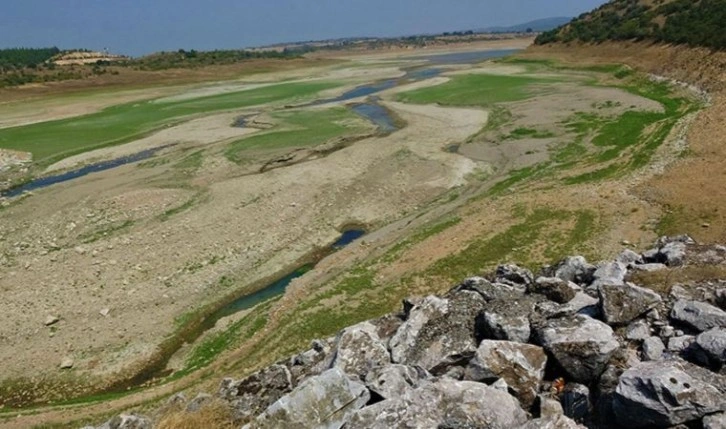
[(104, 232), (515, 243), (529, 133), (300, 128), (54, 140), (477, 90)]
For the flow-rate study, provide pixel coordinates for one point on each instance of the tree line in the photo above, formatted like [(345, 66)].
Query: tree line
[(690, 22)]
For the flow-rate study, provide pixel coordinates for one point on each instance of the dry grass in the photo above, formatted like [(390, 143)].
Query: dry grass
[(662, 281), (216, 415), (128, 78)]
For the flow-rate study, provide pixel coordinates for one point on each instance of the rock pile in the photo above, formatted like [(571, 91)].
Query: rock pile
[(577, 346)]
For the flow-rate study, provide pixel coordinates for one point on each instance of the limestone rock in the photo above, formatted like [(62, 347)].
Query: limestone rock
[(638, 331), (127, 421), (488, 290), (560, 422), (394, 380), (252, 395), (575, 269), (67, 363), (359, 348), (51, 320), (698, 315), (580, 345), (324, 401), (628, 257), (715, 421), (679, 344), (622, 303), (444, 403), (712, 345), (554, 289), (439, 332), (198, 402), (667, 393), (508, 319), (514, 275), (609, 273), (520, 365), (653, 349)]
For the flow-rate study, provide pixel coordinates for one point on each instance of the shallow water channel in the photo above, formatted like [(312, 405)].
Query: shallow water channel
[(369, 110)]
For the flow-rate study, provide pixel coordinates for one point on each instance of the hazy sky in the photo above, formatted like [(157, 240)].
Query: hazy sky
[(136, 27)]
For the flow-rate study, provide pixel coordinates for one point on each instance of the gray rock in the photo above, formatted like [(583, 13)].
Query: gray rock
[(445, 403), (520, 365), (252, 395), (715, 421), (575, 400), (580, 345), (51, 320), (622, 303), (609, 273), (488, 290), (673, 254), (638, 331), (560, 422), (439, 333), (394, 380), (500, 385), (359, 348), (514, 275), (653, 349), (575, 269), (549, 407), (508, 319), (712, 344), (628, 257), (127, 421), (324, 401), (199, 402), (649, 268), (679, 344), (67, 363), (667, 393), (554, 289), (698, 315)]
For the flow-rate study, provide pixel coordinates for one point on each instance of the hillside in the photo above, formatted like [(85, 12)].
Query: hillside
[(690, 22), (544, 24)]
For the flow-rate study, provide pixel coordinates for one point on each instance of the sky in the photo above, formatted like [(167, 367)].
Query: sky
[(138, 27)]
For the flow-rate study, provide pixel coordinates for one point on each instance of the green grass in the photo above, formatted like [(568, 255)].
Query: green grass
[(299, 128), (529, 133), (104, 232), (190, 163), (513, 243), (476, 90), (54, 140)]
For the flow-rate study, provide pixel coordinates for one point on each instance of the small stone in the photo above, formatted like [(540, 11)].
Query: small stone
[(638, 331), (67, 363), (679, 344), (51, 320), (698, 315), (105, 312)]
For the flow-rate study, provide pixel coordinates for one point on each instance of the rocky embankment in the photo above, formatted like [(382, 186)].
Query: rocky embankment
[(579, 345)]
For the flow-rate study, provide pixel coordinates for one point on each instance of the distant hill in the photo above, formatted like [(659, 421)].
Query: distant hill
[(690, 22), (538, 25)]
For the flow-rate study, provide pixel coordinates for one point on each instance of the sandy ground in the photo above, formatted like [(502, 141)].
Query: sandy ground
[(298, 208), (118, 295)]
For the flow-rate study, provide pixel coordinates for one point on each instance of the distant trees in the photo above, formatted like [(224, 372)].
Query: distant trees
[(692, 22), (19, 58), (192, 58)]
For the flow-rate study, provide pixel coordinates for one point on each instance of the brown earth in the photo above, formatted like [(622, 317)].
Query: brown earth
[(692, 191)]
